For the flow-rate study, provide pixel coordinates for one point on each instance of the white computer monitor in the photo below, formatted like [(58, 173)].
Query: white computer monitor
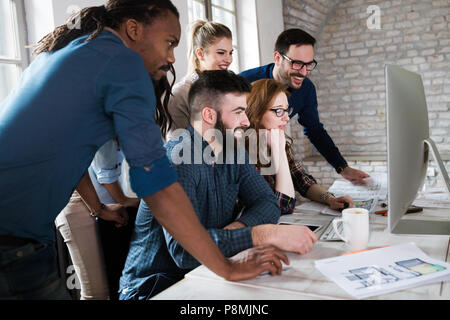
[(408, 149)]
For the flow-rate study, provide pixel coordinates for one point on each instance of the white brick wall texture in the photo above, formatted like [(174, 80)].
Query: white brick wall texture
[(349, 79)]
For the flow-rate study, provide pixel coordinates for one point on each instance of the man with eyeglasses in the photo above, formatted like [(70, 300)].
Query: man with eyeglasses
[(294, 61)]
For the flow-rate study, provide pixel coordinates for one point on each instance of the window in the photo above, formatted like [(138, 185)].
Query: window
[(13, 55), (223, 11)]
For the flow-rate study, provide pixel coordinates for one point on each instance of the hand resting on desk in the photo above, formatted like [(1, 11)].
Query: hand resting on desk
[(259, 259), (292, 238), (339, 203)]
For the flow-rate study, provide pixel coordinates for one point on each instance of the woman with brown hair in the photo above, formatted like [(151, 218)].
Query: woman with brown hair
[(268, 109)]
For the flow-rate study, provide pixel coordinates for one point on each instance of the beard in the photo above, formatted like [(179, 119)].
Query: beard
[(296, 83), (230, 135), (286, 78), (220, 126)]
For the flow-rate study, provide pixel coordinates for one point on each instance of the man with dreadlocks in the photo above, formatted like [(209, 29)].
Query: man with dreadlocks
[(87, 86)]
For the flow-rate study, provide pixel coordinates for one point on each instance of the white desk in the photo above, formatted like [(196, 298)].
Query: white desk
[(301, 281)]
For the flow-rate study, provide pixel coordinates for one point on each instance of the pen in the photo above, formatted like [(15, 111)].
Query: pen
[(412, 209), (382, 212), (346, 254), (346, 205)]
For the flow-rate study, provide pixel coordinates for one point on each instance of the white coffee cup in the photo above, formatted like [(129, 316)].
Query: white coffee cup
[(356, 228)]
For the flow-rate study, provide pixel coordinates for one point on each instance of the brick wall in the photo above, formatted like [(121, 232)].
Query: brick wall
[(349, 79)]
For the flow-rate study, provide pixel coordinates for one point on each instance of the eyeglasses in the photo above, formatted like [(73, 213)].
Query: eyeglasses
[(298, 65), (280, 112)]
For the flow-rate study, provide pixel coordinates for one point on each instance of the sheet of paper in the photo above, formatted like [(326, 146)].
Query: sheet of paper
[(374, 272), (317, 207), (310, 206), (376, 187), (369, 204), (330, 212), (433, 200)]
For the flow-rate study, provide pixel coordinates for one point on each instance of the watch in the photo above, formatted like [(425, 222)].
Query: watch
[(341, 168), (324, 196), (96, 213)]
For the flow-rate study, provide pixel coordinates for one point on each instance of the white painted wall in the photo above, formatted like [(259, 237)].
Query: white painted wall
[(270, 21), (181, 51), (247, 34), (63, 9), (39, 20), (42, 16)]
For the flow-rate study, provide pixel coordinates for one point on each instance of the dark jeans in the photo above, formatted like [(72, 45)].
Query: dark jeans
[(30, 272), (115, 244), (154, 285)]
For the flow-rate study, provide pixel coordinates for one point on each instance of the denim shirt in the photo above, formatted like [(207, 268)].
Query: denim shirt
[(67, 104), (106, 168)]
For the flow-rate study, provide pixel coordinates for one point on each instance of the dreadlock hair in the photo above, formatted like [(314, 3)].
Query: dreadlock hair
[(163, 91), (92, 20)]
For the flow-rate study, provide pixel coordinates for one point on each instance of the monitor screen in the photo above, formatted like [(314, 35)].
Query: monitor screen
[(408, 148)]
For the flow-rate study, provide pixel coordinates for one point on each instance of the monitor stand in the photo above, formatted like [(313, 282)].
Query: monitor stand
[(422, 227), (427, 226), (437, 158)]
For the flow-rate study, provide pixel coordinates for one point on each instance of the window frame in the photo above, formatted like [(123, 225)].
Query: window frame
[(209, 6), (21, 61)]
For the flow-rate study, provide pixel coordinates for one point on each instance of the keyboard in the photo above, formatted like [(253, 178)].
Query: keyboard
[(330, 235)]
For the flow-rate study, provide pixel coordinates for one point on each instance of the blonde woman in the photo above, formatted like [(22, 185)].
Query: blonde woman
[(210, 48)]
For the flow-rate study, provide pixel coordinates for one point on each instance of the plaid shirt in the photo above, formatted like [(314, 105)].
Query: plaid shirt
[(213, 190), (302, 181)]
